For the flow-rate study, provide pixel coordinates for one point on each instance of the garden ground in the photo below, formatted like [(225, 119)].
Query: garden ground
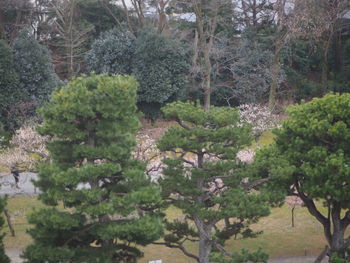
[(284, 243)]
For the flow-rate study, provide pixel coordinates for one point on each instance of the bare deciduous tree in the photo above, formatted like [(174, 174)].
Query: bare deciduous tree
[(309, 19), (73, 35)]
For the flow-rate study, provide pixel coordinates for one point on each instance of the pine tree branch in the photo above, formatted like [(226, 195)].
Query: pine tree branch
[(182, 248), (184, 125), (257, 183)]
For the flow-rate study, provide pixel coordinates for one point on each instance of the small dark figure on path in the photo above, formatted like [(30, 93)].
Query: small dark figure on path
[(15, 174)]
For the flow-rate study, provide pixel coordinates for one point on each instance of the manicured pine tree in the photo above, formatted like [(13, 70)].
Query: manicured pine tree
[(204, 178), (102, 204), (311, 159)]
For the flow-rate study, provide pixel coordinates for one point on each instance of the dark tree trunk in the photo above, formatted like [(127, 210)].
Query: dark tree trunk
[(276, 68), (9, 223)]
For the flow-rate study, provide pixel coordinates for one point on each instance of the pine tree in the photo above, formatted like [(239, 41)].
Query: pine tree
[(310, 159), (204, 178), (109, 203), (3, 256)]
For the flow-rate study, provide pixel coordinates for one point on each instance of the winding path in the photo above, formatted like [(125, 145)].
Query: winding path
[(26, 187)]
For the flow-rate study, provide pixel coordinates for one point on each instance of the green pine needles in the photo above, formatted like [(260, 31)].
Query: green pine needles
[(102, 207), (3, 256), (311, 159), (205, 179)]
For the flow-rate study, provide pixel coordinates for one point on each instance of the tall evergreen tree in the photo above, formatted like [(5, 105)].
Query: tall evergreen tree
[(34, 68), (110, 203)]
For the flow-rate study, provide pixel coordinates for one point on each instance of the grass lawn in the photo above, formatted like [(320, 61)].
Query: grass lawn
[(279, 238), (20, 207)]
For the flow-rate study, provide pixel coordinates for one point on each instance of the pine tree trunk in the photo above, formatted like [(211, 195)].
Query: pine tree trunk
[(204, 249), (336, 247), (205, 245)]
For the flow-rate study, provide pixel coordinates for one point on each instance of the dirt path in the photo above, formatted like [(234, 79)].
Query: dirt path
[(25, 184), (307, 259), (13, 254)]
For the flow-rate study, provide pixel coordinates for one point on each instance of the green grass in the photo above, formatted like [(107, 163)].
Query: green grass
[(19, 208), (278, 239)]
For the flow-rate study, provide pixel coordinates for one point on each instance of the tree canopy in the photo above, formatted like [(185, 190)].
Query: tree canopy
[(9, 86), (311, 160), (110, 203), (34, 68), (204, 178)]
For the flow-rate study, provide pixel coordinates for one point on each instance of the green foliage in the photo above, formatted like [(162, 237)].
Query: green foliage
[(336, 258), (159, 65), (340, 81), (315, 140), (112, 53), (110, 203), (33, 65), (9, 87), (3, 257), (205, 179), (243, 257), (92, 12), (301, 62), (311, 158)]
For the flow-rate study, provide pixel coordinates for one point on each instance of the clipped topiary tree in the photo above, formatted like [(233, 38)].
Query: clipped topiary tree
[(159, 64), (34, 68), (112, 53), (204, 178), (109, 202), (10, 93)]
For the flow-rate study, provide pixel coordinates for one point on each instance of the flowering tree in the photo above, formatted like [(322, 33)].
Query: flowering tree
[(148, 152), (259, 117), (27, 148)]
